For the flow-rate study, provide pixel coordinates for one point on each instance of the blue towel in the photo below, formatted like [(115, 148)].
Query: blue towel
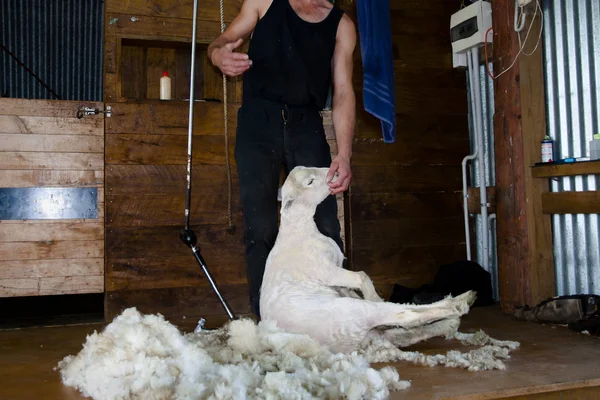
[(375, 34)]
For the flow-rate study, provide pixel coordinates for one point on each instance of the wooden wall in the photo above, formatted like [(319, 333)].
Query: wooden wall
[(403, 215), (43, 144), (405, 201)]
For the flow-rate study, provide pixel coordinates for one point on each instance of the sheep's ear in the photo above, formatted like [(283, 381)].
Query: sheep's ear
[(279, 194)]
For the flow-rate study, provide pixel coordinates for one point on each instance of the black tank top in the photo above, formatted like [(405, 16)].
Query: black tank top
[(291, 58)]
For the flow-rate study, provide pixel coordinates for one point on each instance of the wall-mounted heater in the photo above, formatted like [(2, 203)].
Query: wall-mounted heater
[(468, 29)]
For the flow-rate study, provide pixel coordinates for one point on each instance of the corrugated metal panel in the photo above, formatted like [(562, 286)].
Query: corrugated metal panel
[(487, 107), (61, 41), (572, 78)]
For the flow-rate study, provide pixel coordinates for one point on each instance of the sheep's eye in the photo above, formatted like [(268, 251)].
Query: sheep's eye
[(310, 182)]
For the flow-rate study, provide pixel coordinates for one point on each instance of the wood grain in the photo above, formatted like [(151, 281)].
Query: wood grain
[(179, 303), (51, 286), (133, 210), (208, 10), (571, 202), (44, 144), (405, 178), (165, 150), (10, 124), (385, 206), (578, 168), (170, 118)]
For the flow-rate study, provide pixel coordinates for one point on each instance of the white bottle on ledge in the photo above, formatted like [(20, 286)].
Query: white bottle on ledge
[(595, 147), (165, 87)]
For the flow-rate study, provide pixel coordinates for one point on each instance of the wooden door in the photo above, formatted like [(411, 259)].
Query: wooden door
[(43, 145)]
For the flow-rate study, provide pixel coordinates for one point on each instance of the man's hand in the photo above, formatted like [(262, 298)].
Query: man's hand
[(230, 62), (341, 165)]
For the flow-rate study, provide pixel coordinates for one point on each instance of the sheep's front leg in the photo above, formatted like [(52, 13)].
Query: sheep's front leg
[(334, 276)]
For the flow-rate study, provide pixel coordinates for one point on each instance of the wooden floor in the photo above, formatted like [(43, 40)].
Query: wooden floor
[(552, 363)]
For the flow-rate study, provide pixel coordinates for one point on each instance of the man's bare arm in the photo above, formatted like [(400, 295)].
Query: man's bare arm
[(220, 51), (344, 103)]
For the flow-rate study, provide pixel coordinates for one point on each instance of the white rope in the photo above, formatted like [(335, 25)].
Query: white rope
[(225, 122)]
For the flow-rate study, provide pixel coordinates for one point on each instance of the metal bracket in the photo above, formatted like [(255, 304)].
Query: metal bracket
[(93, 111)]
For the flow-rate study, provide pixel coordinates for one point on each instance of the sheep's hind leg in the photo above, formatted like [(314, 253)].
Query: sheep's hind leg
[(410, 316), (406, 337)]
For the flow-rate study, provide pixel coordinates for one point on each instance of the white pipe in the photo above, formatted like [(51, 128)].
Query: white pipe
[(480, 158), (494, 273), (471, 156)]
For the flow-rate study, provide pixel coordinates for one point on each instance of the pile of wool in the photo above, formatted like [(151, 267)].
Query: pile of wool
[(145, 357)]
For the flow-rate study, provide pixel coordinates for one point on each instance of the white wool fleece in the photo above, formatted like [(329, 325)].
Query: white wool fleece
[(145, 357)]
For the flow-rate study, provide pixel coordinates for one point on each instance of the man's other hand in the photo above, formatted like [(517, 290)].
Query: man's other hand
[(341, 165), (230, 62)]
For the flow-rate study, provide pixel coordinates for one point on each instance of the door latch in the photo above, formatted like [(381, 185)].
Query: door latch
[(93, 111)]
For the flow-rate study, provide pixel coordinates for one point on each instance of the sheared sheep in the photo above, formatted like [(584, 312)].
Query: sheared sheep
[(305, 289)]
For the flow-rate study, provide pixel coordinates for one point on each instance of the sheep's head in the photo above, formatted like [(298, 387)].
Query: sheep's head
[(306, 186)]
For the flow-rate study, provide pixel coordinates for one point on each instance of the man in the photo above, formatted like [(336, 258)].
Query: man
[(298, 50)]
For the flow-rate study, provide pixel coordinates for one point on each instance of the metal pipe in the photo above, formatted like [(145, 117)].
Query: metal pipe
[(187, 235), (466, 159), (188, 193), (478, 124)]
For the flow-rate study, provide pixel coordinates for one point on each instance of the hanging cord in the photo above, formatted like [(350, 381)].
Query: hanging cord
[(231, 228)]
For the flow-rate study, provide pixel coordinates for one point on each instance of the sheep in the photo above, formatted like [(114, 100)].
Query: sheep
[(306, 290)]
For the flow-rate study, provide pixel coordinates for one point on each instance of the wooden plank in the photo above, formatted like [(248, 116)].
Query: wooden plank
[(160, 28), (51, 286), (38, 178), (428, 151), (177, 303), (36, 232), (167, 179), (578, 168), (51, 143), (405, 178), (52, 268), (47, 250), (587, 202), (422, 51), (384, 206), (170, 118), (51, 125), (226, 265), (407, 232), (46, 108), (164, 241), (207, 11), (51, 161), (133, 210), (407, 260), (133, 71), (165, 149)]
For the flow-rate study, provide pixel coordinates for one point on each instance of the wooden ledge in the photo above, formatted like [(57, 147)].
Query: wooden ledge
[(576, 168)]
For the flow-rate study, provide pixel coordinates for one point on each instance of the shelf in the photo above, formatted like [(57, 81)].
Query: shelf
[(571, 169)]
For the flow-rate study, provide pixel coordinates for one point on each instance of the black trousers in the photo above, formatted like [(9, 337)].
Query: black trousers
[(269, 136)]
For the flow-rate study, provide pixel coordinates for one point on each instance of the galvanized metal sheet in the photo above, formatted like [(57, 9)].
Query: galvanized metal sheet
[(48, 203), (572, 78), (61, 41)]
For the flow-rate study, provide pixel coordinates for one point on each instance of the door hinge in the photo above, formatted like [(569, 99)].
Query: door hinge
[(93, 111)]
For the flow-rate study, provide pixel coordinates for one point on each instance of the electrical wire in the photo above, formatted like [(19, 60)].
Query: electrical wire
[(521, 47)]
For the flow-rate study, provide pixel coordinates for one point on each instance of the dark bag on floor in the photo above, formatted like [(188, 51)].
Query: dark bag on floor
[(454, 278)]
